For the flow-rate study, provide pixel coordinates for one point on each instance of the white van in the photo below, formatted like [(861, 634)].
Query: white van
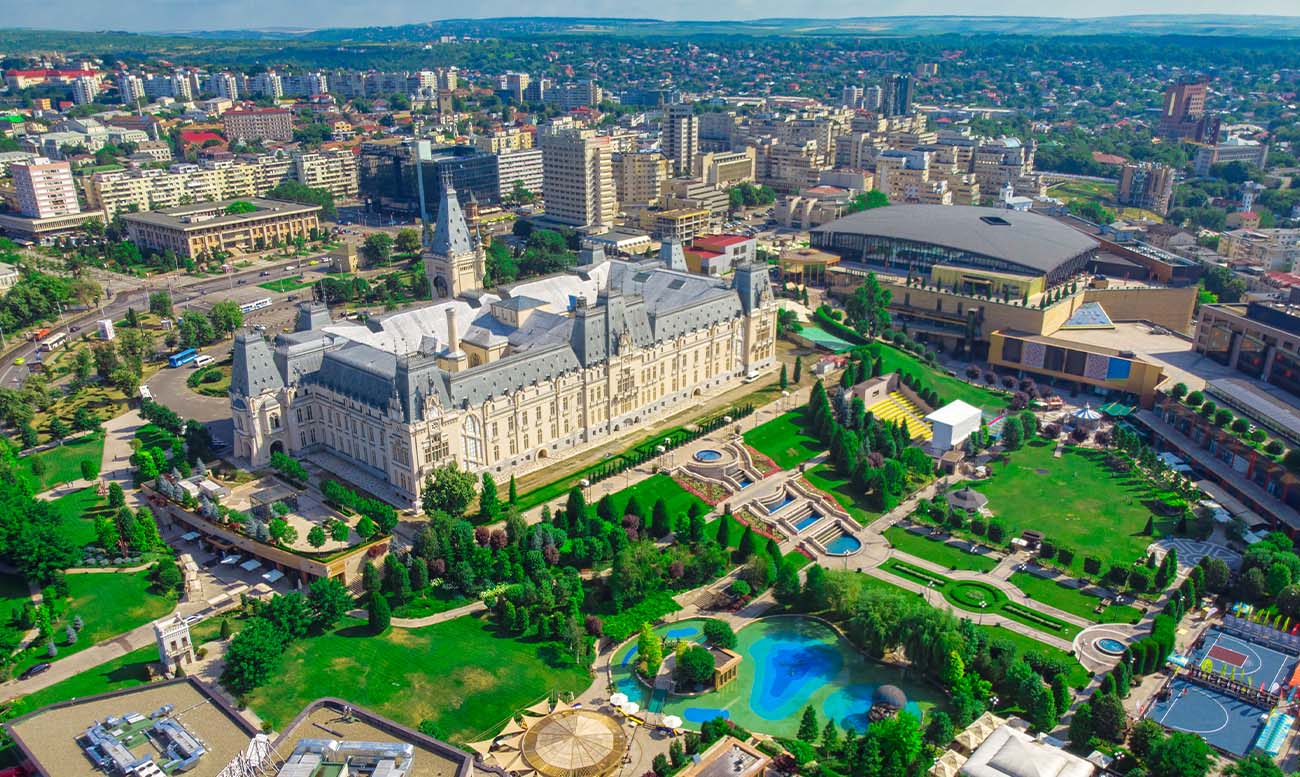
[(203, 361)]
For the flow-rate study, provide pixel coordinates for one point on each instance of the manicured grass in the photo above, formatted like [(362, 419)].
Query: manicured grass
[(827, 478), (110, 604), (62, 462), (937, 551), (1072, 600), (285, 284), (429, 605), (784, 440), (658, 486), (459, 675), (727, 530), (79, 511), (126, 671), (968, 595), (1078, 675), (1076, 501), (894, 360)]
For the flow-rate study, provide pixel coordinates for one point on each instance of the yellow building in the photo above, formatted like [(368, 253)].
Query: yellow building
[(1090, 365), (192, 230)]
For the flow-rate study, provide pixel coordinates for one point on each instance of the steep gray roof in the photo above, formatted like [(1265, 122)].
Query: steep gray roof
[(1034, 241), (253, 370), (361, 372), (451, 234), (512, 373)]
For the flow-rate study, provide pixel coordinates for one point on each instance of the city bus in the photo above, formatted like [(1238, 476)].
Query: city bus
[(249, 307), (182, 357), (53, 341)]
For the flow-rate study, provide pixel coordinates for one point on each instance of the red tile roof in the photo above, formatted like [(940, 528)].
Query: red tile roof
[(199, 136), (719, 242)]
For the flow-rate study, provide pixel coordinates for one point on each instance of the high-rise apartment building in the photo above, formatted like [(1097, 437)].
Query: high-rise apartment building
[(516, 86), (579, 174), (681, 137), (871, 97), (45, 188), (267, 84), (1183, 116), (896, 95), (224, 85), (258, 124), (639, 177), (333, 171), (131, 88), (1146, 185), (851, 97), (85, 89), (512, 139)]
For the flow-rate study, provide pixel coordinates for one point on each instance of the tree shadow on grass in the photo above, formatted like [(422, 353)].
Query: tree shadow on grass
[(137, 671), (358, 630)]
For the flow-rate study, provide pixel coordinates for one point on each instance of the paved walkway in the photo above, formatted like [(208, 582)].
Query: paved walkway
[(472, 608)]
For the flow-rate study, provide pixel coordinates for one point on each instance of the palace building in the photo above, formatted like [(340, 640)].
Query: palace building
[(504, 380)]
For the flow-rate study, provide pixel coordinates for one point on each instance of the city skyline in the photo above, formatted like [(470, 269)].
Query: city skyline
[(163, 16)]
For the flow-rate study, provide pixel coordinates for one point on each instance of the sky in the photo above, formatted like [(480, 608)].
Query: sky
[(147, 15)]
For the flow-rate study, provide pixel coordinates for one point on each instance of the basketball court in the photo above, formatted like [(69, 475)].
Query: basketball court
[(1249, 662), (1226, 722)]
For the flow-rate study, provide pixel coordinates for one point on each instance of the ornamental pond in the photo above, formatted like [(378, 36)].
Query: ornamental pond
[(788, 663)]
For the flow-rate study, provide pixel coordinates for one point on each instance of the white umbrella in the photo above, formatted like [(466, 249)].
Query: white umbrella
[(630, 708), (618, 699), (672, 721)]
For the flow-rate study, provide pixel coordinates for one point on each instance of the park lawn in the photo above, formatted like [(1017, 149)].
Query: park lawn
[(79, 511), (127, 671), (785, 440), (13, 593), (658, 486), (937, 551), (1072, 600), (825, 477), (1076, 501), (1078, 676), (895, 359), (63, 462), (281, 285), (459, 675), (110, 604)]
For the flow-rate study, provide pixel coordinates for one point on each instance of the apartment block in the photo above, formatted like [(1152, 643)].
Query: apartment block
[(120, 191), (1146, 185), (258, 124), (680, 140), (524, 167), (85, 89), (333, 171), (45, 188), (512, 139), (1268, 249)]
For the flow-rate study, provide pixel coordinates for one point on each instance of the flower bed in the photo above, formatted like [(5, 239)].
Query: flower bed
[(711, 493), (765, 466)]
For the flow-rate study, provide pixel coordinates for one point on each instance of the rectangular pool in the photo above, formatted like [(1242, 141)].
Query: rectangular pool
[(804, 523)]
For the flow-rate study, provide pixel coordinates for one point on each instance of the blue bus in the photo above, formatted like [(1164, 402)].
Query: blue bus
[(184, 357)]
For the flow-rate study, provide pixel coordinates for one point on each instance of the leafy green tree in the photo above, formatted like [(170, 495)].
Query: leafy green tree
[(160, 304), (58, 429), (1109, 721), (868, 307), (719, 633), (1254, 764), (1081, 726), (650, 648), (407, 242), (1180, 755), (488, 504), (694, 666), (447, 489), (316, 537), (378, 248), (252, 657), (329, 600), (339, 531), (225, 317)]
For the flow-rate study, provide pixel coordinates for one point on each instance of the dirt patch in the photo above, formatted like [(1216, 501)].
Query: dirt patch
[(343, 664), (473, 679)]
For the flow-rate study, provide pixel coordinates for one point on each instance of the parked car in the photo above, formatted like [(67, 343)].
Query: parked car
[(264, 273), (32, 671)]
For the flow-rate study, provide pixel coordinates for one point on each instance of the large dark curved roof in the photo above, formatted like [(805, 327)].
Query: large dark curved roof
[(1035, 241)]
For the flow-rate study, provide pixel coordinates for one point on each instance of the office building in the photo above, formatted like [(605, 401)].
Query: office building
[(1234, 149), (896, 95), (199, 230), (522, 168), (45, 188), (388, 175), (1183, 116), (579, 177), (258, 124), (639, 177), (1146, 185), (510, 383), (725, 169), (719, 131), (680, 139)]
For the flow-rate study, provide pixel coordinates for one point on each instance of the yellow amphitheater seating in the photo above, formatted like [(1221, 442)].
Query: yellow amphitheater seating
[(897, 407)]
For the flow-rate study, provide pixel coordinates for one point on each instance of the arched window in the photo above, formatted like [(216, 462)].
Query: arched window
[(473, 432)]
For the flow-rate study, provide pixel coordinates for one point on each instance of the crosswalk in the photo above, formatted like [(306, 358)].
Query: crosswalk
[(897, 407)]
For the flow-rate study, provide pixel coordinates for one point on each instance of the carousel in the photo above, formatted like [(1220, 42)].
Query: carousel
[(563, 741)]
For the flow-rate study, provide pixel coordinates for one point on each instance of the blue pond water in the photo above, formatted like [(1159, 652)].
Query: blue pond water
[(708, 454), (688, 631), (787, 500), (849, 706), (1112, 646), (843, 545), (703, 714), (804, 523), (788, 667), (745, 482)]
